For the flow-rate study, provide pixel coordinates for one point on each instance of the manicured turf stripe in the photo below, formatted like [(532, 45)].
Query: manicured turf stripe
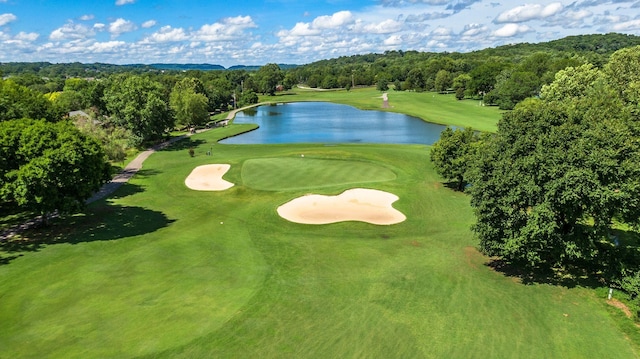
[(286, 174)]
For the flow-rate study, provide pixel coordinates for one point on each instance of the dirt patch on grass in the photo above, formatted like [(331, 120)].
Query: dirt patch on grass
[(473, 258), (623, 307)]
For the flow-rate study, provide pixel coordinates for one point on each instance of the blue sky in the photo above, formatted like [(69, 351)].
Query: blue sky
[(288, 31)]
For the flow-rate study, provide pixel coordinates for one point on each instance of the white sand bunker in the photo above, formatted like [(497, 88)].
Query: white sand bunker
[(359, 204), (208, 178)]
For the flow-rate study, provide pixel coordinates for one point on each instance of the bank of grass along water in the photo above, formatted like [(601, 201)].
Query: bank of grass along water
[(432, 107)]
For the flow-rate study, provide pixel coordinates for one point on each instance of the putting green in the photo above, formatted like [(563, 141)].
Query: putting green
[(288, 174)]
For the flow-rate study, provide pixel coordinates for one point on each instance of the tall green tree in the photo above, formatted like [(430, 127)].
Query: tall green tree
[(461, 84), (416, 80), (268, 77), (443, 81), (483, 77), (623, 72), (547, 188), (514, 86), (189, 102), (247, 98), (453, 154), (51, 166), (571, 83), (17, 101), (137, 104)]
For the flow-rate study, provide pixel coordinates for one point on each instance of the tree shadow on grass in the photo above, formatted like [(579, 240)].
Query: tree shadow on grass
[(571, 278), (102, 222), (119, 189), (607, 261), (455, 186), (11, 215), (126, 190), (184, 144)]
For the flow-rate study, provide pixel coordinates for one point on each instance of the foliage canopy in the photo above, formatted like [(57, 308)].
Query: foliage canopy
[(49, 167), (561, 171)]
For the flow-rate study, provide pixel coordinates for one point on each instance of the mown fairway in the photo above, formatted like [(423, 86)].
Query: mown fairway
[(162, 271)]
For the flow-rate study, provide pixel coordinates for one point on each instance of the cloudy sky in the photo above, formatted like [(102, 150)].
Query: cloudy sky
[(288, 31)]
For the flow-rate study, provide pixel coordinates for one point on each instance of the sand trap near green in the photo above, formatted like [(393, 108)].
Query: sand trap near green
[(208, 178), (358, 204)]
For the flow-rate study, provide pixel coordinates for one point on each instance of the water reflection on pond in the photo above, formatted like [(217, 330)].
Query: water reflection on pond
[(322, 122)]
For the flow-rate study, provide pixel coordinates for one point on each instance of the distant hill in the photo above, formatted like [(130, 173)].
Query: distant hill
[(596, 48), (257, 67), (205, 67), (187, 67), (596, 44)]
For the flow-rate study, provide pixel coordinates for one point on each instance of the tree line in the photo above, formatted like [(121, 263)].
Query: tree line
[(50, 162), (556, 190), (500, 76)]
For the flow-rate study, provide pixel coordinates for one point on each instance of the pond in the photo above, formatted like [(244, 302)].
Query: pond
[(329, 123)]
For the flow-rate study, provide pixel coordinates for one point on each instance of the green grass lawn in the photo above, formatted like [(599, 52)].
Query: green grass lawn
[(161, 271), (297, 173)]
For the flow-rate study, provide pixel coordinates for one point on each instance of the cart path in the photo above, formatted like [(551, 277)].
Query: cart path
[(131, 169), (121, 178)]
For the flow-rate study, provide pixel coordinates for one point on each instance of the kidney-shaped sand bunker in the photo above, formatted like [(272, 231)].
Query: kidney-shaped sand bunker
[(208, 178), (358, 204)]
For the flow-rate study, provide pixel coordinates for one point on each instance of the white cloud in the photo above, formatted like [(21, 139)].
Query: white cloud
[(301, 29), (627, 25), (510, 30), (124, 2), (577, 15), (385, 27), (149, 23), (412, 2), (427, 16), (569, 19), (167, 34), (109, 46), (609, 19), (393, 40), (472, 30), (71, 31), (27, 37), (86, 17), (528, 12), (121, 26), (227, 29), (441, 33), (7, 18), (176, 50), (336, 20)]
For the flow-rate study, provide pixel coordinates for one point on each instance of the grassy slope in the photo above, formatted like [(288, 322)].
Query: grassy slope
[(163, 271), (429, 106)]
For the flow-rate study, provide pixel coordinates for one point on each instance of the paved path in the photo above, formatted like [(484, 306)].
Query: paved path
[(130, 170), (121, 178)]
